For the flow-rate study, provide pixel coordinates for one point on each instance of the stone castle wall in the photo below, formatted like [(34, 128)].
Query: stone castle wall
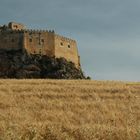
[(16, 26), (39, 42), (66, 48), (11, 40)]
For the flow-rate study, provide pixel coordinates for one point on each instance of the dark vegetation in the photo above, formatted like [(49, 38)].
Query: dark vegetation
[(16, 64)]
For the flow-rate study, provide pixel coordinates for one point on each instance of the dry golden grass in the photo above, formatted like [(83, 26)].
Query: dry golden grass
[(69, 110)]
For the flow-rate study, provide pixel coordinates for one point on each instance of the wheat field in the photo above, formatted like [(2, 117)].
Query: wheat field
[(69, 110)]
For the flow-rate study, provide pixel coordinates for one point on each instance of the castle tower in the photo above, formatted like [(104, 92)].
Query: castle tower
[(16, 26)]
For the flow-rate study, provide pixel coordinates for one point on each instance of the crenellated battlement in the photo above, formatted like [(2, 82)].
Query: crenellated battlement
[(38, 31), (65, 38)]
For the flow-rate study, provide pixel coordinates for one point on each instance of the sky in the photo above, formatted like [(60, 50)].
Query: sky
[(107, 31)]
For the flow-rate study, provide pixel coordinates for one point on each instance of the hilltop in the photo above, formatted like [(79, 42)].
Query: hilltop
[(16, 64), (30, 53)]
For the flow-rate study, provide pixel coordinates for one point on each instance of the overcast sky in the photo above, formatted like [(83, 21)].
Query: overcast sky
[(107, 31)]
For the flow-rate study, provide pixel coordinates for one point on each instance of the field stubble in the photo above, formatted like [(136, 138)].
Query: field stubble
[(69, 110)]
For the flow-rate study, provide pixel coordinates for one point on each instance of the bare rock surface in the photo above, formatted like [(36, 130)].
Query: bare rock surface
[(15, 64)]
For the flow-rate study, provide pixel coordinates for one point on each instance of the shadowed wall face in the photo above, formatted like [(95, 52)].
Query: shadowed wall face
[(10, 40)]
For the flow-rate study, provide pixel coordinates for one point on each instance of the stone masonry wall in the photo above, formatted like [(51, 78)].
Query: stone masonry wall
[(36, 42), (66, 48), (11, 40), (16, 26), (39, 42)]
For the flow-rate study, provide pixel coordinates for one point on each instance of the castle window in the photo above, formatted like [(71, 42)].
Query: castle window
[(42, 40), (61, 44), (30, 40), (16, 26), (68, 46)]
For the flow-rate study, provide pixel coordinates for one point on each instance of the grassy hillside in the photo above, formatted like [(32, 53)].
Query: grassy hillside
[(69, 110)]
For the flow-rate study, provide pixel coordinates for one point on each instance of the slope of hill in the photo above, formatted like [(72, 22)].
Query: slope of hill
[(69, 110), (16, 64)]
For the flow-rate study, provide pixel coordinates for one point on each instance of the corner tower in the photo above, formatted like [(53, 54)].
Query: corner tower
[(67, 48)]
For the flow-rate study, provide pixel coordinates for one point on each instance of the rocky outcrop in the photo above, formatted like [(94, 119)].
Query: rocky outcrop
[(15, 64)]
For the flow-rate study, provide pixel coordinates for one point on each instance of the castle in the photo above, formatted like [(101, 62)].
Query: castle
[(15, 36)]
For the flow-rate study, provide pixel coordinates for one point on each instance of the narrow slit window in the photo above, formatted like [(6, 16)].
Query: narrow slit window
[(68, 46), (39, 51), (42, 40), (30, 40), (16, 26), (61, 44)]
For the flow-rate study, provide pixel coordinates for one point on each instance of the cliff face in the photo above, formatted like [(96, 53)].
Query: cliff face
[(15, 64)]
